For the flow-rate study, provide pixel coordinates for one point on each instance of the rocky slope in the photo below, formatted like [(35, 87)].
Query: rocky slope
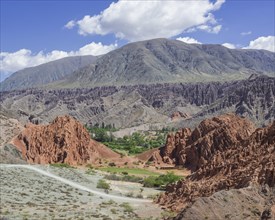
[(224, 152), (251, 203), (45, 73), (163, 60), (151, 105), (9, 128), (65, 140)]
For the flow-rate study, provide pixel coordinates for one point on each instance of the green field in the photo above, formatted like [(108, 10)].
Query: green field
[(130, 171)]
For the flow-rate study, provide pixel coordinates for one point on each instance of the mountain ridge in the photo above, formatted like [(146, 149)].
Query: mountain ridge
[(165, 61), (162, 61), (130, 106), (46, 73)]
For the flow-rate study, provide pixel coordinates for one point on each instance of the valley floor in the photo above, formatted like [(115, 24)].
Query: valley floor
[(46, 192)]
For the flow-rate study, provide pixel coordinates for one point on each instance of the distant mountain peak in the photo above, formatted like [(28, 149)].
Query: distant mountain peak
[(155, 61)]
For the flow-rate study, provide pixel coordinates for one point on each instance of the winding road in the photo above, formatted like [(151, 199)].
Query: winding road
[(73, 184)]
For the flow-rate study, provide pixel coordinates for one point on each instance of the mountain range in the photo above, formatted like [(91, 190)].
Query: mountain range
[(146, 105), (147, 62), (45, 73)]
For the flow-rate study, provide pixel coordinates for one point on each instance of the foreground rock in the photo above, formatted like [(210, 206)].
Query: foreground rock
[(224, 152), (247, 203), (65, 140)]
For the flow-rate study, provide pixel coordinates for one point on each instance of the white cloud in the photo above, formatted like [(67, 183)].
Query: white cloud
[(246, 33), (70, 25), (188, 40), (265, 43), (210, 29), (140, 20), (11, 62), (229, 45)]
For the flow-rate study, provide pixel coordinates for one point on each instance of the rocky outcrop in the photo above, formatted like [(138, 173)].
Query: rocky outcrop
[(224, 152), (254, 203), (193, 149), (130, 106), (10, 128), (179, 115), (65, 140)]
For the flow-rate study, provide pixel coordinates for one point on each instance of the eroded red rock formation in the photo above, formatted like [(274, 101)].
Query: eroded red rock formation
[(179, 115), (224, 152), (65, 140)]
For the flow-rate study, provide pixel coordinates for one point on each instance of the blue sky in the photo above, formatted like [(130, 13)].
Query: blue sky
[(32, 30)]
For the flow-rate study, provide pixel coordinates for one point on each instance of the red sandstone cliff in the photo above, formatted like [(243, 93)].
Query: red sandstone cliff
[(65, 140), (224, 152)]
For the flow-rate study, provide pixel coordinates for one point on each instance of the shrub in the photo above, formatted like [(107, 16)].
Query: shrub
[(126, 178), (61, 165), (127, 207), (134, 179), (140, 196), (89, 166), (160, 181), (129, 194), (112, 164), (113, 177), (102, 184), (90, 172)]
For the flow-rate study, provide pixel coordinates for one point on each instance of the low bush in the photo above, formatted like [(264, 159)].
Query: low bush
[(127, 207), (61, 165), (160, 181), (112, 164), (125, 178), (102, 184), (90, 172)]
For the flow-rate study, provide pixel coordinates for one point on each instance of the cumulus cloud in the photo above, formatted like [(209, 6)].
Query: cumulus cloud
[(229, 45), (246, 33), (11, 62), (265, 43), (140, 20), (188, 40)]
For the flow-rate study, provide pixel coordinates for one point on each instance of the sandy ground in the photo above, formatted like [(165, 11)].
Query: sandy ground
[(46, 192)]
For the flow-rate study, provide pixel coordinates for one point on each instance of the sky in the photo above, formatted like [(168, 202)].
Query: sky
[(36, 32)]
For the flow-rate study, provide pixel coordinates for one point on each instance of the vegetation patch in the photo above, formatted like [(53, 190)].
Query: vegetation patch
[(160, 181), (134, 144), (61, 165), (127, 171), (102, 184), (125, 178), (127, 207)]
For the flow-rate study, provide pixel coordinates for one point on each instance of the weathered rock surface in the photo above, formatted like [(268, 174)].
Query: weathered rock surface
[(131, 106), (65, 140), (193, 149), (179, 115), (224, 152), (9, 128), (251, 203)]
